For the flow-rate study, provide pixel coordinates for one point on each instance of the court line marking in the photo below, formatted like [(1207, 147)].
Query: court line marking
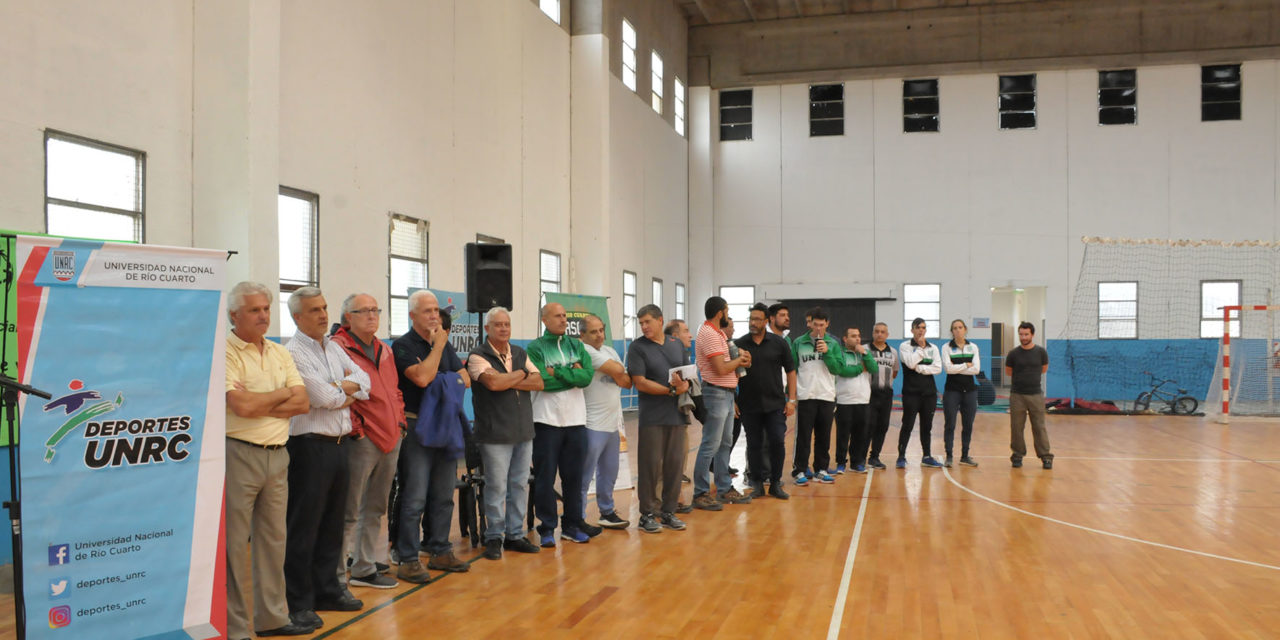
[(387, 603), (1161, 545), (833, 631), (1107, 459)]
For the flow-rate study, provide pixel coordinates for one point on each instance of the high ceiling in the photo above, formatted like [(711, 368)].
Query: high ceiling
[(705, 12)]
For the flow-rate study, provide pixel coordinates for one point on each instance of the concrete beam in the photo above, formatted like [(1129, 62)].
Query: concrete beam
[(986, 38)]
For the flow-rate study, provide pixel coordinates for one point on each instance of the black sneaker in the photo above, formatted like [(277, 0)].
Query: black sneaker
[(375, 581), (612, 521), (493, 549), (757, 489), (967, 461), (521, 545), (947, 464), (776, 491), (670, 521), (590, 529), (344, 603), (1017, 463), (649, 524), (875, 462), (1048, 463)]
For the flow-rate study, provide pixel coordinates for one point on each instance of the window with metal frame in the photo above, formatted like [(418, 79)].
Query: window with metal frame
[(922, 301), (628, 55), (1117, 310), (740, 299), (407, 266), (735, 114), (1018, 101), (630, 324), (298, 215), (826, 110), (656, 292), (548, 272), (680, 302), (655, 81), (1220, 89), (94, 189), (1214, 295), (1118, 97), (678, 94), (551, 8), (920, 106)]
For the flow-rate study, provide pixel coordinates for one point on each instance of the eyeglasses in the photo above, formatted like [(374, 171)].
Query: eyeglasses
[(362, 312)]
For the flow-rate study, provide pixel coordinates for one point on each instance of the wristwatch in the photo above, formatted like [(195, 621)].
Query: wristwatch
[(671, 391)]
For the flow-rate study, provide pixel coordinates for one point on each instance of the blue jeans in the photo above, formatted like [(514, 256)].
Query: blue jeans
[(717, 441), (427, 480), (506, 488), (602, 457)]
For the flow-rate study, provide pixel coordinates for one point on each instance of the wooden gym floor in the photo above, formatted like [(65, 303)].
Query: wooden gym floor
[(1147, 527)]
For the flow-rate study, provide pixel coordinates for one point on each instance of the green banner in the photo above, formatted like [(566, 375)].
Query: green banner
[(579, 307), (9, 306)]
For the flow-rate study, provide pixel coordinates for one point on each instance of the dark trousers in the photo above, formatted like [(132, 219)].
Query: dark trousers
[(427, 479), (852, 433), (563, 450), (766, 444), (661, 455), (878, 412), (966, 403), (317, 507), (913, 405), (813, 424)]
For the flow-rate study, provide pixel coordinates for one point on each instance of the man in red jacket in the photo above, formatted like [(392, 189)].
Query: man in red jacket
[(377, 424)]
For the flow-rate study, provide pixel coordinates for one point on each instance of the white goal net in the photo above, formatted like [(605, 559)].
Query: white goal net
[(1246, 377)]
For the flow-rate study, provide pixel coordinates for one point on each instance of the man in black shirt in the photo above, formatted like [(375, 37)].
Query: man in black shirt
[(1024, 365), (661, 446), (762, 403)]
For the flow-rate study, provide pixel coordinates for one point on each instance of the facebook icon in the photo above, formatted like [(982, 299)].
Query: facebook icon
[(59, 554)]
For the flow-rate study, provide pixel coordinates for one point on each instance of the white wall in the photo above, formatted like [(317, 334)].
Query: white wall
[(972, 206)]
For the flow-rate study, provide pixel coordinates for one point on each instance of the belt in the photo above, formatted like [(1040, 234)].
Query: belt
[(318, 436), (411, 415), (268, 447)]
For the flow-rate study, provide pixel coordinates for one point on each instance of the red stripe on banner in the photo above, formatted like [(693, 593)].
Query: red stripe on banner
[(218, 606), (28, 303)]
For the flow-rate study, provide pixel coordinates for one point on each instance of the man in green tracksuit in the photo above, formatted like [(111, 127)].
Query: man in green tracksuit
[(853, 398), (560, 428), (818, 357)]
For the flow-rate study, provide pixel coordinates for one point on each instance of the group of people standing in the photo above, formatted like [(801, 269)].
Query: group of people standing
[(322, 432)]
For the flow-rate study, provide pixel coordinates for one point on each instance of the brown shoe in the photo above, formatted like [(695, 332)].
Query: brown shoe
[(732, 496), (413, 571), (707, 502), (447, 562)]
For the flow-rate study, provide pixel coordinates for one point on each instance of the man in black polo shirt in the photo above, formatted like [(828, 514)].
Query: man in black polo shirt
[(762, 403), (427, 474), (662, 426)]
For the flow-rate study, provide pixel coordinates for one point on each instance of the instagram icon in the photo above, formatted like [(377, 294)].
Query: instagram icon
[(59, 617)]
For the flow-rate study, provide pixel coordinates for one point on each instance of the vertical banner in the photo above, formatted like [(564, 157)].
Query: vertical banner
[(9, 305), (122, 471), (578, 307), (465, 330)]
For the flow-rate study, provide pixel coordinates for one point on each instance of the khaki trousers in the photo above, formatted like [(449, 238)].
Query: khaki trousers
[(257, 497), (1022, 405)]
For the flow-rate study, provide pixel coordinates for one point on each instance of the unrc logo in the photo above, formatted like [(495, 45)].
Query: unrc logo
[(64, 265), (73, 404)]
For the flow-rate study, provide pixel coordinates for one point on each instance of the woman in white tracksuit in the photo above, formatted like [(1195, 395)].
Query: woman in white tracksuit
[(960, 393)]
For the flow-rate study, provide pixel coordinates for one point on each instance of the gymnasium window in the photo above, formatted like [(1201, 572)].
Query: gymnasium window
[(1117, 310), (680, 302), (678, 93), (1018, 101), (655, 81), (407, 266), (740, 300), (922, 301), (1118, 97), (735, 114), (628, 55), (657, 292), (630, 326), (1215, 294), (484, 239), (551, 8), (1220, 92), (826, 110), (548, 272), (920, 105), (298, 215), (93, 189)]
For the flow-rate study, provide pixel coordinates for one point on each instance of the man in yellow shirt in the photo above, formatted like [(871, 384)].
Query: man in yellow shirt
[(264, 390)]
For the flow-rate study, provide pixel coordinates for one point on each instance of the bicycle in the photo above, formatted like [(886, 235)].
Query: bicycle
[(1178, 403)]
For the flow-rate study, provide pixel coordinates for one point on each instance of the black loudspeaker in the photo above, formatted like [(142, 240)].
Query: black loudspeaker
[(488, 276)]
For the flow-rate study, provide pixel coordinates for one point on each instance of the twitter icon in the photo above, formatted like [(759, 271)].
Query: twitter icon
[(59, 587)]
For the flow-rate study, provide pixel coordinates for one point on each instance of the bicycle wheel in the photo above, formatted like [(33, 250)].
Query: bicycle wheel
[(1186, 405), (1143, 402)]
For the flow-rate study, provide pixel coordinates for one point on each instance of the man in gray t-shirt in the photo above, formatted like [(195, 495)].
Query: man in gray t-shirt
[(1025, 365), (661, 446)]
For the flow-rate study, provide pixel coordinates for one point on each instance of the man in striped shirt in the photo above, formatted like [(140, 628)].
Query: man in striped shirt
[(318, 473), (719, 386)]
